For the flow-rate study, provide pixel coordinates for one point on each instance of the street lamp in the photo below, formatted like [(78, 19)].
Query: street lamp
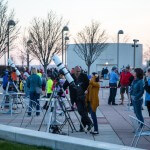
[(119, 32), (10, 23), (28, 59), (66, 39), (134, 46), (65, 28)]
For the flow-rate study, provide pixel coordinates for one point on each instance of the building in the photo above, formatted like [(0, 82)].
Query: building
[(108, 57)]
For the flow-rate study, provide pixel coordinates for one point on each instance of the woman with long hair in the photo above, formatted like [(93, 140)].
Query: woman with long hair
[(92, 99), (137, 91)]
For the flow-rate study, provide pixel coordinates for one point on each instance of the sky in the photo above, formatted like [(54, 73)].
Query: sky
[(132, 16)]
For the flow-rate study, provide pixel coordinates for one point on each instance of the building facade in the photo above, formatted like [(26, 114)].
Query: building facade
[(108, 57)]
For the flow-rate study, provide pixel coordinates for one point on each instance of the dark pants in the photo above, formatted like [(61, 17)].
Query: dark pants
[(34, 96), (137, 105), (94, 118), (80, 102), (148, 106), (113, 92)]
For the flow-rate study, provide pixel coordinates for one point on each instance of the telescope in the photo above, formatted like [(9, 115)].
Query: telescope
[(11, 63), (61, 67)]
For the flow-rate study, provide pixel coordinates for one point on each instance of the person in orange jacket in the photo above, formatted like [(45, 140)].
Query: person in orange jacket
[(92, 99)]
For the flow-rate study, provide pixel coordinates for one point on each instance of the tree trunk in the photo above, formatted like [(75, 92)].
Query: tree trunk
[(45, 69), (89, 69), (28, 61)]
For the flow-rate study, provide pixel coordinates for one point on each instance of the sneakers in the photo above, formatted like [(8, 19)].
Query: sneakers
[(94, 132), (114, 104)]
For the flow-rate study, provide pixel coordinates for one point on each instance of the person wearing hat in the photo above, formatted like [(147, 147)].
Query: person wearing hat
[(77, 95), (113, 78)]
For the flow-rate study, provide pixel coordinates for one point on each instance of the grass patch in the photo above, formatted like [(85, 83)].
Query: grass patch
[(7, 145)]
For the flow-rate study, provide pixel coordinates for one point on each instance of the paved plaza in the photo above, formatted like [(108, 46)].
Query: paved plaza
[(114, 123)]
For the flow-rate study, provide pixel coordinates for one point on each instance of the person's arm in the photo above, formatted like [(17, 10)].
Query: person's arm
[(116, 76), (39, 81), (141, 91), (65, 85), (28, 82), (95, 84), (86, 81)]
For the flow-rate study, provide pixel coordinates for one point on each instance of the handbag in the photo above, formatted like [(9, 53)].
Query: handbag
[(38, 90)]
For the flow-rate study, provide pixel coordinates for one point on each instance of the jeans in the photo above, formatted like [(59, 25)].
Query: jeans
[(94, 118), (105, 76), (137, 105), (34, 96), (113, 92)]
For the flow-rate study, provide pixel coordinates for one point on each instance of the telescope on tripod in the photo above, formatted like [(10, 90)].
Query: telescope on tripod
[(56, 97)]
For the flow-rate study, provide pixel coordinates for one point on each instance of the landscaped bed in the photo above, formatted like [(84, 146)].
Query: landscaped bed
[(7, 145)]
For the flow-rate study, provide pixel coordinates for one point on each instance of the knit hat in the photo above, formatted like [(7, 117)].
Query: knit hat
[(114, 68)]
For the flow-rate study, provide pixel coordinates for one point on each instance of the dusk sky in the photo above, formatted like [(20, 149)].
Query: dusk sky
[(132, 16)]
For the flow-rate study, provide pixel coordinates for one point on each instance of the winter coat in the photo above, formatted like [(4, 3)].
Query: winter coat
[(92, 95)]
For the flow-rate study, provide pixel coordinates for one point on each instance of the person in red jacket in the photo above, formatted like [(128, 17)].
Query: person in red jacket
[(124, 82)]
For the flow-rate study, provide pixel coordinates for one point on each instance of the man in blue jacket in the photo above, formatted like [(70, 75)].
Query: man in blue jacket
[(113, 78)]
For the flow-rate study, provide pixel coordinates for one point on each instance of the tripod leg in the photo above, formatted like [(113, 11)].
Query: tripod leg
[(23, 117), (46, 111)]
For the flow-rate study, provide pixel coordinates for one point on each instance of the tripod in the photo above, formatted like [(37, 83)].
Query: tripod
[(52, 123)]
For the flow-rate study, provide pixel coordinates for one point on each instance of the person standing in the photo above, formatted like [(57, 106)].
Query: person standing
[(77, 95), (33, 83), (147, 89), (137, 91), (124, 83), (49, 90), (113, 78), (92, 99)]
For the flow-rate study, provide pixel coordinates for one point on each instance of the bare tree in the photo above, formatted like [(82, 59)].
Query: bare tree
[(22, 58), (125, 39), (46, 38), (13, 32), (90, 43)]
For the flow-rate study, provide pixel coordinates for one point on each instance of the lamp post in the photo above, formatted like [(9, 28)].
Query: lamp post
[(119, 32), (65, 28), (66, 39), (28, 57), (10, 23), (134, 46)]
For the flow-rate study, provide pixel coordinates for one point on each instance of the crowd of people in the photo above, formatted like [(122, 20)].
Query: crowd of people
[(85, 92), (134, 82), (83, 95)]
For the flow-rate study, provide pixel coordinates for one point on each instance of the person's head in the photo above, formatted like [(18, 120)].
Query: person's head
[(33, 70), (94, 74), (77, 71), (114, 68), (127, 68), (61, 76), (138, 73), (148, 72)]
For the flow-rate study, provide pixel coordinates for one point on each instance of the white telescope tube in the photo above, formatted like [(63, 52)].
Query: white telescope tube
[(11, 63), (61, 66)]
